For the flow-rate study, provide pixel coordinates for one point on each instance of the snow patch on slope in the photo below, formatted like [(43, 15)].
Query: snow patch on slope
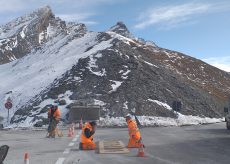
[(115, 85), (33, 73), (165, 105)]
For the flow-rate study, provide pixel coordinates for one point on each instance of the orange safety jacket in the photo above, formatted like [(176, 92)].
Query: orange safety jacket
[(84, 139), (133, 130), (56, 114)]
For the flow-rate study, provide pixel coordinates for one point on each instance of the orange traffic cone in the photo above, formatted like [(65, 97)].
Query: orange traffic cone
[(80, 124), (73, 127), (70, 132), (141, 152), (26, 158)]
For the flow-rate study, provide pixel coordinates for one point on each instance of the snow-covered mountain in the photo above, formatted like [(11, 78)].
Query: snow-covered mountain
[(47, 60)]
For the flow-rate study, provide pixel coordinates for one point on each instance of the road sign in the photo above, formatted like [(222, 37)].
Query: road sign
[(8, 105)]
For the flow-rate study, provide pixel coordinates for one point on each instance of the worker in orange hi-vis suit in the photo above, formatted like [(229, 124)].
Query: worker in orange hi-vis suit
[(87, 136), (54, 115), (134, 134)]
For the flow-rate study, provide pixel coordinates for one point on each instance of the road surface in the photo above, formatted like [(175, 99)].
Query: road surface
[(201, 144)]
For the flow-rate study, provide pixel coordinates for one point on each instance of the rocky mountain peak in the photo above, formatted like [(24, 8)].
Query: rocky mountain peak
[(45, 9), (120, 28), (23, 34), (14, 26)]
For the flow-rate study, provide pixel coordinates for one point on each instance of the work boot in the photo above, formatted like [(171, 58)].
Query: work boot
[(80, 146)]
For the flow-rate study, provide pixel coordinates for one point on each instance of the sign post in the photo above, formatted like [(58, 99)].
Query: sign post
[(8, 106), (229, 103)]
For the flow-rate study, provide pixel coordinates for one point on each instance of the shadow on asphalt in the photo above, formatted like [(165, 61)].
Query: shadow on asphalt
[(199, 151), (211, 131)]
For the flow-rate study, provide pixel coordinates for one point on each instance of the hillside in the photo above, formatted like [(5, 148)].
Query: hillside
[(46, 60)]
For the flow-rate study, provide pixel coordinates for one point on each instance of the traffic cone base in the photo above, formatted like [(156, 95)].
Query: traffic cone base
[(141, 152)]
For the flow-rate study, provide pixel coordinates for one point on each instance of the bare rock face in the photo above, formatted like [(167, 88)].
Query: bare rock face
[(26, 34), (113, 69)]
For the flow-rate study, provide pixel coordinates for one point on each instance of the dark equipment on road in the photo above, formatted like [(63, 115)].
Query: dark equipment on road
[(177, 105), (85, 113), (227, 117), (3, 152), (225, 109)]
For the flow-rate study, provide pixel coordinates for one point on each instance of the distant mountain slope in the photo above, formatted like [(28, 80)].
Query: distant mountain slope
[(26, 34), (114, 69)]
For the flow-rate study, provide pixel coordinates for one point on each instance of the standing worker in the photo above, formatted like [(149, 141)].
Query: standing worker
[(54, 115), (134, 134), (87, 136)]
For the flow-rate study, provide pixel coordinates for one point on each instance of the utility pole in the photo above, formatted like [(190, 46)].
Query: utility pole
[(229, 103)]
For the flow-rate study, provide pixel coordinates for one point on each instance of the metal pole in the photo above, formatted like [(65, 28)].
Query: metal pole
[(229, 103), (8, 118)]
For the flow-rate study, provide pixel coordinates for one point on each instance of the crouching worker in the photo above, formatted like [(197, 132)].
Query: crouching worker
[(87, 136), (134, 134), (54, 115)]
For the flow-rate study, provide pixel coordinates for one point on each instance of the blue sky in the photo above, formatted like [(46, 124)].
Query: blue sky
[(198, 28)]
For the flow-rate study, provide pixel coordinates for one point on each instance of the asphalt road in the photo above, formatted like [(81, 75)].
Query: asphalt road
[(202, 144)]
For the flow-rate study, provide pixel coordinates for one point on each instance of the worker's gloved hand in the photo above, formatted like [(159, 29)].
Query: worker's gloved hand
[(92, 132), (140, 140)]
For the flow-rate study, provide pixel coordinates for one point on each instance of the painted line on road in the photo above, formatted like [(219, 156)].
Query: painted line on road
[(71, 144), (160, 159), (67, 151), (60, 160), (75, 139)]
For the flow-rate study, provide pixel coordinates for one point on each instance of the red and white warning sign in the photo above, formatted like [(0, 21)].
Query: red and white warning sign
[(8, 104)]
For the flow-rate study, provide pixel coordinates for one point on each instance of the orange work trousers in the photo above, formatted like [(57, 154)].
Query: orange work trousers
[(134, 143), (88, 146)]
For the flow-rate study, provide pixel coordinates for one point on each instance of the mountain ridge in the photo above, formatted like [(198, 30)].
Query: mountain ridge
[(112, 69)]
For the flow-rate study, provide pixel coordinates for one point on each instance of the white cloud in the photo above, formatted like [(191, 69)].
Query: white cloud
[(12, 6), (64, 8), (18, 5), (173, 16), (74, 17), (222, 63)]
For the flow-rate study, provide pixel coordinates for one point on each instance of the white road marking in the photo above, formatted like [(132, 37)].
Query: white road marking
[(160, 159), (74, 140), (71, 143), (60, 160), (67, 150)]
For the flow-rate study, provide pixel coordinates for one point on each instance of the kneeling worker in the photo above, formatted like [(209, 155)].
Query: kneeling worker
[(87, 136), (134, 134)]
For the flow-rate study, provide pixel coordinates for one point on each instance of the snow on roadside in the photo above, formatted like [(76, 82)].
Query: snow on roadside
[(182, 120)]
